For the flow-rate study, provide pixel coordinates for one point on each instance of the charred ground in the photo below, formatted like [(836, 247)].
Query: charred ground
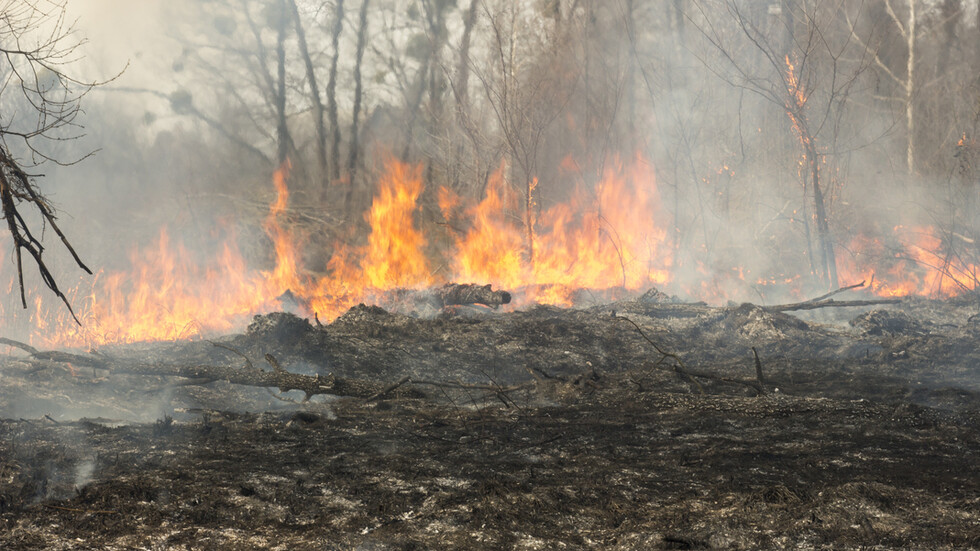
[(532, 429)]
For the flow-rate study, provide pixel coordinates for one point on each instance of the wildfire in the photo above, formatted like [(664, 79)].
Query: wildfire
[(611, 237), (915, 262)]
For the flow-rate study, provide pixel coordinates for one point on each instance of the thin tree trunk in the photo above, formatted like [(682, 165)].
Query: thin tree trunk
[(951, 11), (282, 133), (416, 103), (321, 133), (358, 93), (463, 67), (266, 73), (425, 80), (332, 93), (461, 86), (679, 25), (631, 79), (828, 258), (437, 24), (529, 221), (910, 90)]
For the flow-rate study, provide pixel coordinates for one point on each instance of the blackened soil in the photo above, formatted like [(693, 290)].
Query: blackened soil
[(871, 441)]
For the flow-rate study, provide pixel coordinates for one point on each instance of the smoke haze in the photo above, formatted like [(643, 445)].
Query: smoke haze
[(771, 166)]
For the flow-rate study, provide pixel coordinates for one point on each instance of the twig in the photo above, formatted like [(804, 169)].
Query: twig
[(86, 511), (248, 362), (678, 364), (274, 363), (389, 388), (282, 398), (681, 369)]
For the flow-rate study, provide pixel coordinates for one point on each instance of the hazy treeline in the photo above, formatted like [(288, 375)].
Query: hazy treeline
[(758, 165)]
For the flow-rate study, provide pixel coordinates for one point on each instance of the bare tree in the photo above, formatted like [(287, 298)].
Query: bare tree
[(358, 93), (282, 128), (905, 80), (42, 103), (525, 93), (321, 132), (338, 27), (806, 72)]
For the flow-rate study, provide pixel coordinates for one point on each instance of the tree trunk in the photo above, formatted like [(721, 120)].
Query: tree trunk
[(266, 73), (358, 92), (463, 67), (321, 133), (461, 85), (282, 133), (332, 93), (951, 11), (910, 90), (827, 257)]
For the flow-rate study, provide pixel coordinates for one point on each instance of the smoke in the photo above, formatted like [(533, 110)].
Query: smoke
[(83, 473), (181, 133)]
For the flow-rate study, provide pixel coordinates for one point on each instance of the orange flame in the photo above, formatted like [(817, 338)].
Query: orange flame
[(618, 242), (918, 263), (610, 237), (491, 250)]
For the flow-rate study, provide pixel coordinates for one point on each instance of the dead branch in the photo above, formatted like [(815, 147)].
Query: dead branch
[(248, 362), (468, 386), (17, 344), (691, 374), (824, 301), (16, 188), (389, 388), (85, 511), (830, 303), (837, 291), (248, 376)]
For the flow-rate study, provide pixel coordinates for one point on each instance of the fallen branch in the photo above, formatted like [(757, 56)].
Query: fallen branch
[(831, 303), (468, 386), (85, 511), (837, 292), (824, 301), (247, 376), (691, 374), (387, 390)]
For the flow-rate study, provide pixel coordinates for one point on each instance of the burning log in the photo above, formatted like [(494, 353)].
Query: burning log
[(437, 298), (456, 294)]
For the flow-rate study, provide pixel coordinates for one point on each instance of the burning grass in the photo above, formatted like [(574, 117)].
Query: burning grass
[(611, 238)]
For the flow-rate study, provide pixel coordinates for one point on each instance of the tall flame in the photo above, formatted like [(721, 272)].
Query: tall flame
[(612, 236)]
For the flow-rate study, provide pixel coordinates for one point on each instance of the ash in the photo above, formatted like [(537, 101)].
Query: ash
[(537, 429)]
